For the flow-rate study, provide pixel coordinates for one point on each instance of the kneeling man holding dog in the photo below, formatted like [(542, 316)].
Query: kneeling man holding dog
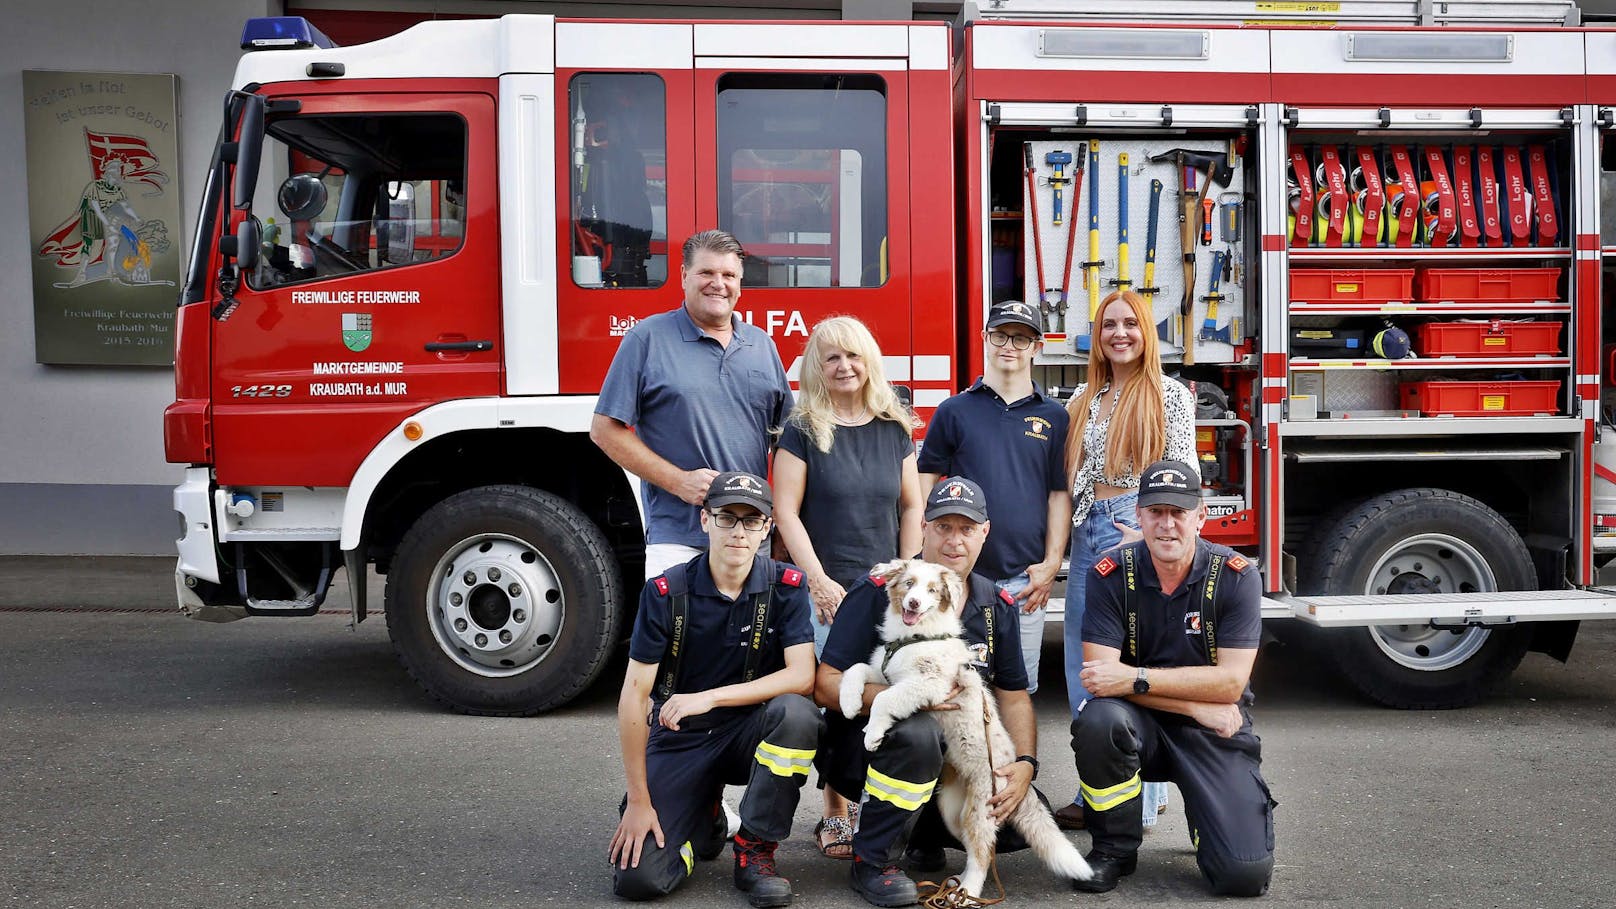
[(899, 778), (1169, 641)]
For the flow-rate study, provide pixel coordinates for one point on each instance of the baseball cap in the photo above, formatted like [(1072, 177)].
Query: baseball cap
[(740, 488), (1015, 312), (1170, 483), (957, 495)]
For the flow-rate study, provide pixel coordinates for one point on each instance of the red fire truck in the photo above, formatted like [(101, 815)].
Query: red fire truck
[(1370, 232)]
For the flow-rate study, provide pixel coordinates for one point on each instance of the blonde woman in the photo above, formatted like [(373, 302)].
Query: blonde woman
[(846, 491), (1127, 416)]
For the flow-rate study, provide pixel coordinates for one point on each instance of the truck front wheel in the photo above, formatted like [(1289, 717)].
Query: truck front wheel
[(503, 601), (1419, 541)]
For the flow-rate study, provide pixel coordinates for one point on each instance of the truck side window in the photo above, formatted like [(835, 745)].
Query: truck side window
[(802, 178), (349, 193), (619, 180)]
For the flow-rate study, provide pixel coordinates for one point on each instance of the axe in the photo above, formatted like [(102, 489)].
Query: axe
[(1218, 172)]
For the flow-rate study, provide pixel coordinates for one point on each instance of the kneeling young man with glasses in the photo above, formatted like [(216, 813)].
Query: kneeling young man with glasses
[(721, 665)]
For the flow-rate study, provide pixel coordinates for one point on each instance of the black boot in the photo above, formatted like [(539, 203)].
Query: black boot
[(709, 847), (1108, 870), (756, 874), (883, 885)]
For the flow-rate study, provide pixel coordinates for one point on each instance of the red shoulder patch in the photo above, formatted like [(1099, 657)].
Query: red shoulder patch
[(791, 577), (1105, 566), (878, 580), (1006, 597), (1238, 562), (661, 584)]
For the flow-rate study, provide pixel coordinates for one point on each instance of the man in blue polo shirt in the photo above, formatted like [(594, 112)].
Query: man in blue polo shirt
[(720, 663), (1007, 435), (691, 393)]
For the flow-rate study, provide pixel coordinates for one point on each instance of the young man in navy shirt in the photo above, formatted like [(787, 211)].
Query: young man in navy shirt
[(1006, 434), (720, 666), (898, 778)]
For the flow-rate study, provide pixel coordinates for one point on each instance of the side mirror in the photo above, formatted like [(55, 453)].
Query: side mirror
[(249, 145), (301, 197), (248, 235)]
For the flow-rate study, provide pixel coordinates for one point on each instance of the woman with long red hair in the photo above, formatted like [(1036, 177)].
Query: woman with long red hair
[(1127, 416)]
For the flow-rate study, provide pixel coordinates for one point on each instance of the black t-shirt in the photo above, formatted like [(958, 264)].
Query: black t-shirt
[(719, 627), (857, 631), (1171, 631), (850, 501)]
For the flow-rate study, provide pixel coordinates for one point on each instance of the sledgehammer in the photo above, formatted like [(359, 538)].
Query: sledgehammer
[(1219, 172)]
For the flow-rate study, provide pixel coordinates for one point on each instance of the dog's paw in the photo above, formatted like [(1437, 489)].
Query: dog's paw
[(873, 737), (852, 700), (852, 704)]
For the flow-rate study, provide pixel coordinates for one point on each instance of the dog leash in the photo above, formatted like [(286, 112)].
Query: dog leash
[(949, 894)]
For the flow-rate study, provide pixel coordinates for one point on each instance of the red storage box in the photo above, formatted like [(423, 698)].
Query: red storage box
[(1498, 338), (1352, 285), (1482, 399), (1487, 285)]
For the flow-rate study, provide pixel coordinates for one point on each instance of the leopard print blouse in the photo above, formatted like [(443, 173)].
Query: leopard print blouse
[(1179, 406)]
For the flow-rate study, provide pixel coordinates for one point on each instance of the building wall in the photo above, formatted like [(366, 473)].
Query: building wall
[(81, 449)]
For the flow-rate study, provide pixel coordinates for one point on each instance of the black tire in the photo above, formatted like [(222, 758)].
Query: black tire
[(1421, 541), (504, 560)]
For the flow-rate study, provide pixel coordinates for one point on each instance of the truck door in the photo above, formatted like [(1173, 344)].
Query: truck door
[(377, 289)]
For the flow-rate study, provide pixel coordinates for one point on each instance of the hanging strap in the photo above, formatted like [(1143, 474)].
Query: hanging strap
[(1209, 608)]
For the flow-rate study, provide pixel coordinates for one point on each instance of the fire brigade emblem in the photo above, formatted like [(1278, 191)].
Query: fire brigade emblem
[(356, 331), (1105, 566), (1192, 623), (979, 656)]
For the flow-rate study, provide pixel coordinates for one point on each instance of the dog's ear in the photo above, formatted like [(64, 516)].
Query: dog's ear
[(886, 571), (956, 591)]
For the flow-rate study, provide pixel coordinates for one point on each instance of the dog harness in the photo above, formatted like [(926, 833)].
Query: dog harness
[(1130, 605), (893, 647)]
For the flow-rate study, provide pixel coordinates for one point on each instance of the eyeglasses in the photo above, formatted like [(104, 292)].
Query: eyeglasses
[(727, 521), (1019, 342)]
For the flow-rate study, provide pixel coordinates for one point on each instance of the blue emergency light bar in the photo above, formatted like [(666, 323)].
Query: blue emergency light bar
[(282, 33)]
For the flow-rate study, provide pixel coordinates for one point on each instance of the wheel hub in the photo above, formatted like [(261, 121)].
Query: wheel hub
[(1430, 563), (496, 605)]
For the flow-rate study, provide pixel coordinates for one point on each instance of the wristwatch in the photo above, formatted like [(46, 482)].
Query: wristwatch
[(1031, 760), (1141, 685)]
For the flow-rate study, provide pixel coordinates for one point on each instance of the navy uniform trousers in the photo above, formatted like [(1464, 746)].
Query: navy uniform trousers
[(769, 748), (1119, 744)]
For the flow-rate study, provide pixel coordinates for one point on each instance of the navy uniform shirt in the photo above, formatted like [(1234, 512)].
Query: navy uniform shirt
[(1171, 632), (697, 404), (857, 631), (1017, 453), (719, 628)]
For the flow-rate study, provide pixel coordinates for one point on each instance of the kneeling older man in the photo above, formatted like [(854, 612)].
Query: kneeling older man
[(1169, 640)]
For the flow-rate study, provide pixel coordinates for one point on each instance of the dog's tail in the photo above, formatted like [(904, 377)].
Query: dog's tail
[(1051, 846)]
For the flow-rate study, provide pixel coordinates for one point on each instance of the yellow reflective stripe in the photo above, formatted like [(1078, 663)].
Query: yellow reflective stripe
[(784, 761), (689, 855), (906, 795), (1111, 796)]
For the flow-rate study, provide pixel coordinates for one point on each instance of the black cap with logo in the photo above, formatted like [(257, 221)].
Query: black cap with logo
[(1170, 483), (740, 488), (1015, 312), (957, 495)]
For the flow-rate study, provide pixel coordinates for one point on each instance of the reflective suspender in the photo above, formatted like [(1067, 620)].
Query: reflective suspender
[(1130, 606), (679, 620)]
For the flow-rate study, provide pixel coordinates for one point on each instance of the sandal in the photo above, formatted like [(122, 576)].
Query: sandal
[(839, 842)]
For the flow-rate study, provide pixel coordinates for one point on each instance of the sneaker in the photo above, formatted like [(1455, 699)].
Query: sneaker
[(756, 874), (883, 885)]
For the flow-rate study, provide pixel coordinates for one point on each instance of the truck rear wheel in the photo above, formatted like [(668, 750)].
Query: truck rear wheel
[(1410, 542), (503, 601)]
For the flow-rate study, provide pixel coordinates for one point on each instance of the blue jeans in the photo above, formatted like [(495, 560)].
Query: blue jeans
[(1095, 535), (1032, 629)]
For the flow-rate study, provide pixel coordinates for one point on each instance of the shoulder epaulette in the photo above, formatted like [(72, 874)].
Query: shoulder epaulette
[(1006, 597), (790, 576), (660, 582), (1238, 562), (1105, 566), (878, 580)]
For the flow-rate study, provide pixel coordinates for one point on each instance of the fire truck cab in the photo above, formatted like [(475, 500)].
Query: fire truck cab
[(415, 258)]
